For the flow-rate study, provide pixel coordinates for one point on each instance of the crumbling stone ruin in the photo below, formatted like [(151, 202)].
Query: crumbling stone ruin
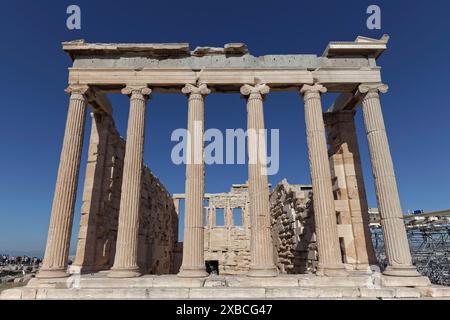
[(293, 228), (158, 221), (227, 239)]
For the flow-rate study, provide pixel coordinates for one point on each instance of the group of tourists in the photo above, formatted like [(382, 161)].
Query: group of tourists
[(6, 260)]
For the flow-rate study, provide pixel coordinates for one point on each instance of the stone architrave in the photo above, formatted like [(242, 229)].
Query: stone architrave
[(330, 260), (61, 221), (394, 232), (125, 260), (262, 257), (193, 264)]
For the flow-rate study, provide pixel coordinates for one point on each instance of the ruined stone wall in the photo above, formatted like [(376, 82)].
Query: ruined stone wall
[(158, 228), (228, 244), (293, 228)]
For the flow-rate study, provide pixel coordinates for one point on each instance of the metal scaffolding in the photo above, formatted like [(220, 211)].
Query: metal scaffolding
[(429, 241)]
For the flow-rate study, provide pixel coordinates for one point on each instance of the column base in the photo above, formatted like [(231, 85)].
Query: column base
[(401, 271), (262, 272), (192, 272), (124, 273), (52, 273), (331, 270), (403, 276)]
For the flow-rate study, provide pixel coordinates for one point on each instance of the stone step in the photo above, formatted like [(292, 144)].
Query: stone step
[(338, 281), (305, 286), (223, 293), (169, 281)]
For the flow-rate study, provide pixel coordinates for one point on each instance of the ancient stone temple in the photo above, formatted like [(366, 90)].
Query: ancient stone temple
[(293, 242)]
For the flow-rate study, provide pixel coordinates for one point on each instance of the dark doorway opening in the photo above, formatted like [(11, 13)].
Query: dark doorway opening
[(212, 267), (343, 253)]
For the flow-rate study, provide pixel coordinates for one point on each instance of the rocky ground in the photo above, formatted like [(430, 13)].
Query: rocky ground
[(11, 285), (15, 276)]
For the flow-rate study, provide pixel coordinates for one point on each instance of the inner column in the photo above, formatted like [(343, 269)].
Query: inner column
[(193, 245), (125, 260), (262, 258), (330, 260)]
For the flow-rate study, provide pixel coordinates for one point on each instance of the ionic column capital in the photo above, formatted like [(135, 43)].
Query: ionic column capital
[(77, 91), (255, 92), (137, 91), (372, 88), (312, 91), (190, 89)]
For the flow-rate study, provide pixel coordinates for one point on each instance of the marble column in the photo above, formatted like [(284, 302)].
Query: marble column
[(61, 221), (193, 264), (125, 260), (261, 246), (330, 259), (394, 232), (346, 165)]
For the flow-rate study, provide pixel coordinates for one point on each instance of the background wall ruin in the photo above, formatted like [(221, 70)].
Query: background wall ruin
[(292, 229), (228, 244)]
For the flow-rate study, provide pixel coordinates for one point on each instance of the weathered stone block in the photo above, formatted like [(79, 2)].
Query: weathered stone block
[(168, 293), (392, 281), (377, 293), (227, 293), (292, 293)]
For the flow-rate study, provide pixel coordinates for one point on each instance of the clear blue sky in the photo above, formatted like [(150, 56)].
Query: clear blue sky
[(34, 73)]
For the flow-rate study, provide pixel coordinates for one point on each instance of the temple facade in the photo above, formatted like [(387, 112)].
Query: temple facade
[(129, 220)]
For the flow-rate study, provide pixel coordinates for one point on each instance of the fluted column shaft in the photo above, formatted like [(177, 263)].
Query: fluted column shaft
[(262, 256), (330, 260), (193, 264), (394, 232), (61, 221), (125, 260)]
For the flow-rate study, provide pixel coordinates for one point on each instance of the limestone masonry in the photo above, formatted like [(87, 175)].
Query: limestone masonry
[(289, 241)]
